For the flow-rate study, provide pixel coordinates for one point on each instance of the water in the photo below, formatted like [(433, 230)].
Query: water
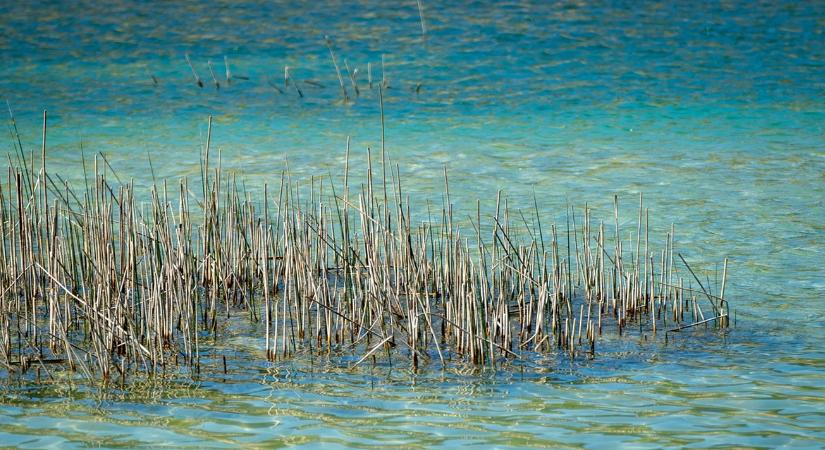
[(714, 111)]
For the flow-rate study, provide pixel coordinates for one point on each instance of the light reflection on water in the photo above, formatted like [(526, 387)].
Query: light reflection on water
[(641, 399), (713, 111)]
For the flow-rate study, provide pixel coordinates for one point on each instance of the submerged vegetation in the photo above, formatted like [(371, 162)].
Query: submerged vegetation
[(109, 282)]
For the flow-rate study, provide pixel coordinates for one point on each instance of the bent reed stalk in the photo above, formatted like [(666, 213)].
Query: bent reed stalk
[(96, 281)]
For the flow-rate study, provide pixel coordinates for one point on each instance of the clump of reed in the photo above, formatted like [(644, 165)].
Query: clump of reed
[(101, 282), (352, 74)]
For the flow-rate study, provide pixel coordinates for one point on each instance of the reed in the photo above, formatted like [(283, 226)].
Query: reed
[(212, 72), (421, 16), (197, 77), (337, 69), (369, 75), (111, 283), (352, 74), (288, 79), (351, 77)]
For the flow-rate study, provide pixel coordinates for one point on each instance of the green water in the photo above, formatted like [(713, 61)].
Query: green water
[(714, 111)]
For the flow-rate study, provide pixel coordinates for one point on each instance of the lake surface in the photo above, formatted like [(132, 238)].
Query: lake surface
[(715, 111)]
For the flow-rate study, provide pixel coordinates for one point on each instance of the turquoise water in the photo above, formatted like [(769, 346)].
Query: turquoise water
[(714, 111)]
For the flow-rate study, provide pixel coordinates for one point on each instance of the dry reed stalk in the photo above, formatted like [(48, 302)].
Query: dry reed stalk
[(287, 79), (421, 16), (212, 72), (337, 69), (198, 80), (351, 74)]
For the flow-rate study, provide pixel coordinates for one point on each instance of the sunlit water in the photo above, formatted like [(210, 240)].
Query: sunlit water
[(714, 111)]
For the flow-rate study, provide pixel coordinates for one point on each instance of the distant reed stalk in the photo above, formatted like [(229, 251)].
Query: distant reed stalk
[(337, 69), (421, 16), (198, 80)]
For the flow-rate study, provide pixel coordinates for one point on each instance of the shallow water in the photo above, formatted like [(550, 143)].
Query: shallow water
[(714, 111)]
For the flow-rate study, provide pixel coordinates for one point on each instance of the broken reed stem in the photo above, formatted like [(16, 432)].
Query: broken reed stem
[(421, 16), (288, 79), (198, 80), (337, 69), (369, 75), (352, 74), (100, 281), (212, 72)]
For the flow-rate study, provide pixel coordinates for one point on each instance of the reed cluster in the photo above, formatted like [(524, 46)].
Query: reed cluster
[(108, 282), (352, 75)]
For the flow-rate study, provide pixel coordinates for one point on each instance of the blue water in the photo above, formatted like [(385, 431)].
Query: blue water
[(714, 111)]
